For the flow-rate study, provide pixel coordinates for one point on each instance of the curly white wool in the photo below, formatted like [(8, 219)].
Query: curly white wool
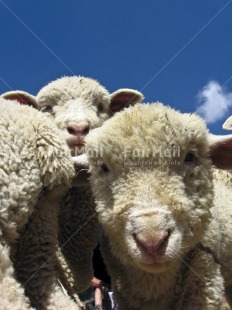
[(35, 169)]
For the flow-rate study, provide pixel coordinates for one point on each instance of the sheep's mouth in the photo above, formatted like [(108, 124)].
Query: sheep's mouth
[(154, 267), (75, 142), (151, 261)]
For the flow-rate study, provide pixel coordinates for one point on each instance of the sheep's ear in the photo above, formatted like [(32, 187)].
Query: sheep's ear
[(22, 97), (221, 151), (228, 124), (123, 98)]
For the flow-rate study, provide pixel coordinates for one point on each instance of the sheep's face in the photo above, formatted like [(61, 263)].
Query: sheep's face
[(152, 181), (77, 105)]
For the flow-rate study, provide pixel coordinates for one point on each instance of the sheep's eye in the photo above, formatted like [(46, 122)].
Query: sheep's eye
[(100, 108), (104, 168), (47, 109), (189, 158)]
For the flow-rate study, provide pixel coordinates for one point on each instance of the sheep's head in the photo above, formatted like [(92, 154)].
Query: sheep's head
[(152, 180), (77, 105)]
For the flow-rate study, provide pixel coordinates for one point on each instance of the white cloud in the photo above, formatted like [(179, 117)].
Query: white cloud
[(214, 102)]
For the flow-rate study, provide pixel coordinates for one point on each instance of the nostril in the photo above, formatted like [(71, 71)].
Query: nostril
[(162, 244), (71, 130), (154, 245), (86, 130)]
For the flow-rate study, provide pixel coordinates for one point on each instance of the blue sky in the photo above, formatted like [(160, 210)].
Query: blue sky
[(177, 52)]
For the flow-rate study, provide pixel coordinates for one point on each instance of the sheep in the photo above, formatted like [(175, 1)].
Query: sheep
[(36, 169), (167, 227), (77, 105)]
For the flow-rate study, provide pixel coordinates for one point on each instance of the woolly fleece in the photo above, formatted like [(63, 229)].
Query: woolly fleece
[(36, 168)]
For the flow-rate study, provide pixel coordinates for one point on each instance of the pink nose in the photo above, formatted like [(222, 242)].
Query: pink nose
[(78, 130), (155, 246)]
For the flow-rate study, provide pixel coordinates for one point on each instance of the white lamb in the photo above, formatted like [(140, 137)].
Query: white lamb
[(77, 105), (164, 228), (36, 168)]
